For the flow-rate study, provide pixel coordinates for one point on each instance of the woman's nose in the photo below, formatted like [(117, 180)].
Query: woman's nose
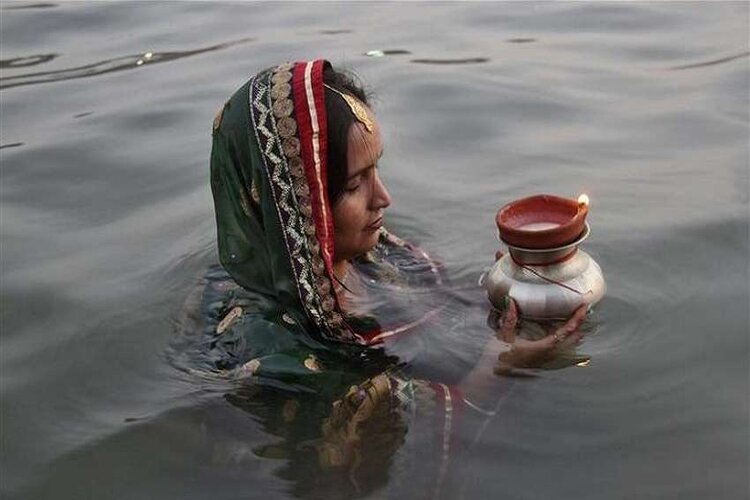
[(380, 197)]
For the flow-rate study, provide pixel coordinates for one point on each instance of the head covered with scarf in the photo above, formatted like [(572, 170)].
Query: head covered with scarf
[(272, 317), (270, 173)]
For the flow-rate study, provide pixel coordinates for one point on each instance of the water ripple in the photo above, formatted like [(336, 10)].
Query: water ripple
[(712, 62), (109, 65)]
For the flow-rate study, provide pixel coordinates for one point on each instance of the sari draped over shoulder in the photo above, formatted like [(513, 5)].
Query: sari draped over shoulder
[(271, 317)]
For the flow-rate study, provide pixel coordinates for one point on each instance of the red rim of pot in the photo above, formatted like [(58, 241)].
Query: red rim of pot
[(569, 214)]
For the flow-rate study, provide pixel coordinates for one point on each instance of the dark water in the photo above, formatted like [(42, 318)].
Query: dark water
[(107, 222)]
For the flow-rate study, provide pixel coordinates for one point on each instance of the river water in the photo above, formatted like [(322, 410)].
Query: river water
[(107, 222)]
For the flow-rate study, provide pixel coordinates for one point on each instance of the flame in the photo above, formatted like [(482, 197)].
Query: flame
[(583, 199)]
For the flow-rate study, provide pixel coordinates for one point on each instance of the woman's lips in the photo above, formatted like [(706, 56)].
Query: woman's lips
[(376, 225)]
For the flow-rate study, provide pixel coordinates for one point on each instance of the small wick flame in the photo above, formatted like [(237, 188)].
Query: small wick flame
[(583, 200)]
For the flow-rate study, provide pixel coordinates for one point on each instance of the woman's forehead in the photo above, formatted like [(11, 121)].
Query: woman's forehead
[(364, 147)]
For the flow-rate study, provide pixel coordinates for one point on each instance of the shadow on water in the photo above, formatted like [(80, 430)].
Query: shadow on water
[(712, 62), (40, 5), (22, 62), (109, 65), (334, 32), (390, 52), (468, 60)]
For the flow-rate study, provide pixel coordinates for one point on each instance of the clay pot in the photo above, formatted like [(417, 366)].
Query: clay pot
[(541, 221)]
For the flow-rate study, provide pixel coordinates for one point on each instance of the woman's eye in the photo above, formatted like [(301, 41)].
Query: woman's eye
[(355, 182)]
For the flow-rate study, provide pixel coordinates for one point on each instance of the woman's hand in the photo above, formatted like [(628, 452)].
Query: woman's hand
[(507, 354), (534, 353)]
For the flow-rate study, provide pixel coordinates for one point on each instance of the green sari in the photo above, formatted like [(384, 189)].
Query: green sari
[(315, 375)]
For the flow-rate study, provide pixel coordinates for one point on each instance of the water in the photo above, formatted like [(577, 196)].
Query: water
[(107, 223)]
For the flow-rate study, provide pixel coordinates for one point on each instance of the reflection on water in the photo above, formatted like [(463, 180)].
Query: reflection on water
[(326, 449), (337, 427), (110, 65)]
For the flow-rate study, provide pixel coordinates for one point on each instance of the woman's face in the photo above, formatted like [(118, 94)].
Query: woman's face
[(358, 214)]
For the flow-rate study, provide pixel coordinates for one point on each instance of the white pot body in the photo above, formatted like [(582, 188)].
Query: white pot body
[(555, 297)]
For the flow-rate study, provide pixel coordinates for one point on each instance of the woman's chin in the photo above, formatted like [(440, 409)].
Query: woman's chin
[(364, 244), (367, 244), (372, 239)]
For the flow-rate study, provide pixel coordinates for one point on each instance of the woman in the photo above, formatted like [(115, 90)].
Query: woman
[(313, 287)]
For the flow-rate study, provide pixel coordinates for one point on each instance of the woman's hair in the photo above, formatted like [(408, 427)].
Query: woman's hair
[(339, 118)]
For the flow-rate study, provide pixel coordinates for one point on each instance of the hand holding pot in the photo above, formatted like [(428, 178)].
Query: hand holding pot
[(534, 353)]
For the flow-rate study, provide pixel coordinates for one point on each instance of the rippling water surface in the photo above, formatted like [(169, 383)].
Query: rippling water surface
[(107, 223)]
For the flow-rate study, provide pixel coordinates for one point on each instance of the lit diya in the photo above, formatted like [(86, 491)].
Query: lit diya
[(544, 271)]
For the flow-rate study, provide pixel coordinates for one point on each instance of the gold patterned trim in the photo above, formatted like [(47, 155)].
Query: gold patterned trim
[(281, 76), (219, 117), (276, 130), (243, 204), (289, 411), (311, 363), (248, 369), (228, 320), (254, 193), (447, 429), (340, 443), (303, 193), (295, 165), (280, 90), (282, 108), (288, 127), (289, 144)]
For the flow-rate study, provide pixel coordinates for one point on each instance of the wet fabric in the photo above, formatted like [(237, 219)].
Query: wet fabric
[(270, 320), (275, 236)]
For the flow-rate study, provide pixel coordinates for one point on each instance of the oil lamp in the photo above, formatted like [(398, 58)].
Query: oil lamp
[(544, 271)]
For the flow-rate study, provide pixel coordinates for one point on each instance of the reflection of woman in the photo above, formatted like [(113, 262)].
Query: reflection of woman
[(311, 280)]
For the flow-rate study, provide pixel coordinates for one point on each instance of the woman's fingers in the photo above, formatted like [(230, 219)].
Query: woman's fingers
[(575, 321), (510, 319), (568, 334), (571, 340), (534, 353)]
